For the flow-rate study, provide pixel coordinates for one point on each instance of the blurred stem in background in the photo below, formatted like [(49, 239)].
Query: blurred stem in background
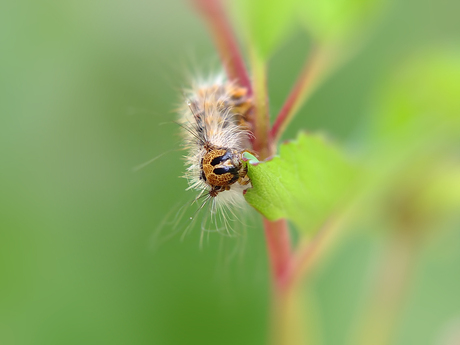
[(387, 292), (313, 70)]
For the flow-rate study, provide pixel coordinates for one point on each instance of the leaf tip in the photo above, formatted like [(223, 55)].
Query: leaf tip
[(250, 158)]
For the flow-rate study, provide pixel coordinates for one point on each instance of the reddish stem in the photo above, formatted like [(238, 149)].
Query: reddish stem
[(279, 250), (302, 88), (224, 38)]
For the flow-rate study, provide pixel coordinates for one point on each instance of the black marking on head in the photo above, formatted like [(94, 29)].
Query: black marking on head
[(221, 159), (203, 176), (225, 170)]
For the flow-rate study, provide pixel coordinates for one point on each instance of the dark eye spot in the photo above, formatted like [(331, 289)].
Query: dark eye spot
[(221, 159), (224, 170), (220, 171)]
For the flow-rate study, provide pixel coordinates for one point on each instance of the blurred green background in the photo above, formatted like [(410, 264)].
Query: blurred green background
[(87, 255)]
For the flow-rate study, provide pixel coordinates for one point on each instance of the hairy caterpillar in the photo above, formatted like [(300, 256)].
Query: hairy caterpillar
[(216, 134)]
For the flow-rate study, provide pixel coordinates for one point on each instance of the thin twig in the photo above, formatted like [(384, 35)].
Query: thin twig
[(308, 250), (311, 74)]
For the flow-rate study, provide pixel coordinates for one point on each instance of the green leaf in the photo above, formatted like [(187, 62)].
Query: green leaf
[(307, 183), (250, 158), (264, 22), (334, 20)]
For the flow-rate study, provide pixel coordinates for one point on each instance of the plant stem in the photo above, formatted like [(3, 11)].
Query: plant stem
[(260, 115), (288, 319), (286, 325), (312, 72), (224, 38), (279, 251), (286, 310), (309, 249), (393, 278)]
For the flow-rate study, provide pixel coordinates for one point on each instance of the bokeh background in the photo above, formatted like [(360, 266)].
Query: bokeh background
[(88, 253)]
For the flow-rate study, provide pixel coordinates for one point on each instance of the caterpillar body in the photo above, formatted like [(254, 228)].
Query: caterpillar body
[(216, 134)]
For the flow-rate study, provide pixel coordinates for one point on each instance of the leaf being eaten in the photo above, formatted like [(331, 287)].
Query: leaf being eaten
[(307, 183)]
